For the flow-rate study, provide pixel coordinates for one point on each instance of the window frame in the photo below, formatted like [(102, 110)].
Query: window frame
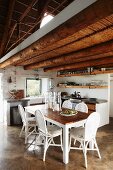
[(33, 79)]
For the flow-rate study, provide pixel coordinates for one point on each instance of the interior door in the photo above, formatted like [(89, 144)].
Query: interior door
[(111, 98)]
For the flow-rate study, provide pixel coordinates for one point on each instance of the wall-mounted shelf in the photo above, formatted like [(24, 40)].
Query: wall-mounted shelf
[(85, 74), (102, 72), (90, 87), (69, 75)]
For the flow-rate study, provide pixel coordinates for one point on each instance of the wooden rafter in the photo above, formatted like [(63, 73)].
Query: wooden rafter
[(38, 20), (58, 6), (42, 8), (20, 19), (36, 23), (79, 65), (7, 25)]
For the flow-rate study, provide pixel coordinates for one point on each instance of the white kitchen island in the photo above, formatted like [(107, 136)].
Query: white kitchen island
[(103, 110), (102, 107)]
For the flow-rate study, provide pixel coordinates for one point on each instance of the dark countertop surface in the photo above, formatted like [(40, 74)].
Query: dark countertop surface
[(17, 100), (86, 100), (98, 101)]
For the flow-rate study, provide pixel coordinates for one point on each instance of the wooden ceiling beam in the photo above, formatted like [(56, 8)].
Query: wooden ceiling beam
[(105, 66), (88, 16), (6, 28), (82, 43), (79, 65), (99, 49), (20, 19), (69, 60)]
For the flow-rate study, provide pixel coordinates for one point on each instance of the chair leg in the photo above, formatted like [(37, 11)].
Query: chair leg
[(61, 142), (97, 149), (74, 141), (85, 153), (21, 131), (85, 156), (45, 148), (26, 134), (36, 141)]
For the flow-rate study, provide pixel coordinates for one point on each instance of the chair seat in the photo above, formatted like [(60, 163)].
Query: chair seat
[(54, 130), (31, 120), (78, 133)]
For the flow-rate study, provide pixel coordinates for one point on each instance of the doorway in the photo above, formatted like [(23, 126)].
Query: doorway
[(111, 97), (1, 101)]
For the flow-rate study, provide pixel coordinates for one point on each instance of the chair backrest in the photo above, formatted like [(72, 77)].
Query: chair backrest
[(67, 104), (22, 113), (41, 122), (91, 125), (82, 107)]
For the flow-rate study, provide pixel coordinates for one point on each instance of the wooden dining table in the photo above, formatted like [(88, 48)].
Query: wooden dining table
[(65, 122)]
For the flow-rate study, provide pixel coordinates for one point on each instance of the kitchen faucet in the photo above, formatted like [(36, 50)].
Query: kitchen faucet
[(78, 95)]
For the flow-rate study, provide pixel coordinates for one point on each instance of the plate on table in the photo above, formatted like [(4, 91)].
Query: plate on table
[(69, 113)]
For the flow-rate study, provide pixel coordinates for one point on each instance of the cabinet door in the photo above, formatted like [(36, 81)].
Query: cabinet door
[(91, 107)]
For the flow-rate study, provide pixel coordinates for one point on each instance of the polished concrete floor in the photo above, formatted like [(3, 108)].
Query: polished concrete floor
[(15, 156)]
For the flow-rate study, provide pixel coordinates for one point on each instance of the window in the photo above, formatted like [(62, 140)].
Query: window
[(46, 19), (33, 87)]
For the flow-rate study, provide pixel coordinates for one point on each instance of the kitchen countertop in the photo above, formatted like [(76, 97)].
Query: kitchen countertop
[(36, 98), (98, 101), (86, 100), (16, 100)]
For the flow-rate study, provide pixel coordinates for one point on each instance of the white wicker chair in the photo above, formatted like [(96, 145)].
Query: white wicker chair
[(82, 107), (46, 133), (67, 104), (29, 124), (86, 134)]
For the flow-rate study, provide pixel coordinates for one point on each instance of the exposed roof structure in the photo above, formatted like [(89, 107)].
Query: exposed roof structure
[(20, 18), (85, 40)]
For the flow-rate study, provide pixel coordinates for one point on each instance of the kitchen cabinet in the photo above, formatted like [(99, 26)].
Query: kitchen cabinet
[(91, 107)]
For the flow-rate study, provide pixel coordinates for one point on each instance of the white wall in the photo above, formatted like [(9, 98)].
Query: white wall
[(18, 76)]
